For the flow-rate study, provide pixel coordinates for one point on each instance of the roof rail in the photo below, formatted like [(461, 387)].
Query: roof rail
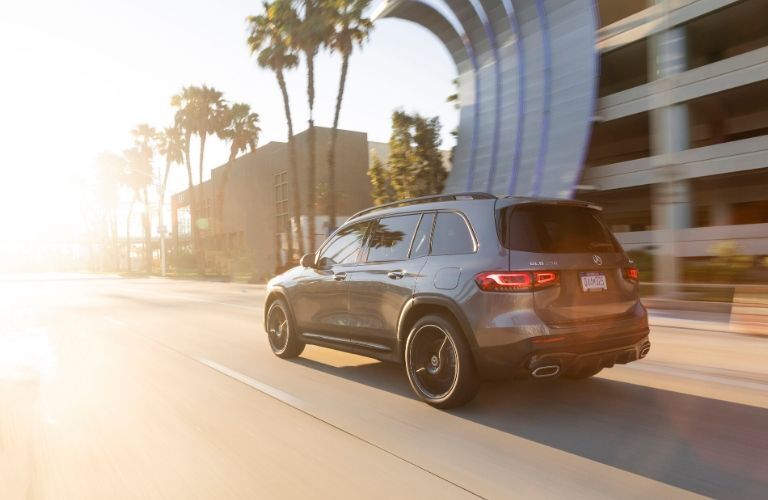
[(427, 199)]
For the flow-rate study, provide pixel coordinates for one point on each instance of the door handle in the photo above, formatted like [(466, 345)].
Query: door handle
[(340, 276), (396, 275)]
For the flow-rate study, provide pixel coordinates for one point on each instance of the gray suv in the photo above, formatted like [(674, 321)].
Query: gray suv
[(464, 287)]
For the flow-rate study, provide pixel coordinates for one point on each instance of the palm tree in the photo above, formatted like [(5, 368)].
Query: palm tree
[(268, 40), (183, 102), (110, 169), (170, 143), (144, 139), (350, 28), (308, 28), (138, 176), (199, 111), (240, 128)]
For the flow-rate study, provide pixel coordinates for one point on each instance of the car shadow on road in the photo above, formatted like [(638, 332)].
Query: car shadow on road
[(712, 447)]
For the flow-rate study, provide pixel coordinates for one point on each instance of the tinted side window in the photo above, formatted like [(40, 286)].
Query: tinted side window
[(391, 238), (451, 235), (420, 246), (345, 246)]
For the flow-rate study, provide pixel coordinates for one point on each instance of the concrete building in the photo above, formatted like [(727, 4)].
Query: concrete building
[(679, 149), (656, 109), (244, 220)]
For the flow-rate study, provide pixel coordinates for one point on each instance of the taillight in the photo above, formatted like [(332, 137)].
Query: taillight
[(631, 274), (516, 281)]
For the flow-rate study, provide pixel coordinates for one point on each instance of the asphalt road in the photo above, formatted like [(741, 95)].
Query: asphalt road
[(151, 388)]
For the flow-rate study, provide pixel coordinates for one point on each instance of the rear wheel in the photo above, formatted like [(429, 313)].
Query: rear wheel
[(582, 373), (439, 363), (283, 337)]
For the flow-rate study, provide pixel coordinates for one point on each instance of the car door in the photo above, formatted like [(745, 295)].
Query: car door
[(321, 299), (384, 280)]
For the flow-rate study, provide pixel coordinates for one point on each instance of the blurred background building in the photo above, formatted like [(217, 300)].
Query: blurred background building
[(679, 149), (249, 230)]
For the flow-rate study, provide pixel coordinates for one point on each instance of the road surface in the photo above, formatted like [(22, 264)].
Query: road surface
[(152, 388)]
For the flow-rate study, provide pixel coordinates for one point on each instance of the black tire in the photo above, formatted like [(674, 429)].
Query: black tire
[(582, 374), (282, 335), (439, 363)]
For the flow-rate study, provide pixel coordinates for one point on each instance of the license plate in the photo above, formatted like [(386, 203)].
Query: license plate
[(593, 282)]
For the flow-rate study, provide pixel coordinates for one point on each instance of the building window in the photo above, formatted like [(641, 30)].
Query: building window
[(184, 221), (750, 212), (281, 202)]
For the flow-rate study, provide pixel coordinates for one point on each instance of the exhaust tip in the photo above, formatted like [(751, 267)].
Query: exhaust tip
[(546, 371), (644, 351)]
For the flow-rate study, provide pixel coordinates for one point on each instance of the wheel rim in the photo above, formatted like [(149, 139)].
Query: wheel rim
[(433, 362), (277, 328)]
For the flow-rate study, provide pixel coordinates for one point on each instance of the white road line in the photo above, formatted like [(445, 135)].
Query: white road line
[(259, 386), (308, 410), (113, 320)]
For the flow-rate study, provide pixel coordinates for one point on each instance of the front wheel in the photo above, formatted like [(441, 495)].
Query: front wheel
[(439, 363), (283, 337)]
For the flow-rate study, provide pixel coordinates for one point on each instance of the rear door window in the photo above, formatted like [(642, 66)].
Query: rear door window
[(451, 235), (557, 229), (391, 238)]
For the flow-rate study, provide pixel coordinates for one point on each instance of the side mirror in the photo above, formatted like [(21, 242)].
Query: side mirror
[(308, 260)]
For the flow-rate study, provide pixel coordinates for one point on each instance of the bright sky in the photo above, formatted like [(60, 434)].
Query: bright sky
[(76, 76)]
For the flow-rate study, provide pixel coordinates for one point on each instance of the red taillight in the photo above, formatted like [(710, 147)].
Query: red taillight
[(515, 281), (631, 274)]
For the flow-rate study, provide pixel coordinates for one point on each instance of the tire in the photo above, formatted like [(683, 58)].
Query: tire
[(582, 374), (439, 363), (281, 333)]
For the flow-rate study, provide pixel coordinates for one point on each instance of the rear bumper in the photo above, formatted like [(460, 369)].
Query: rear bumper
[(570, 353)]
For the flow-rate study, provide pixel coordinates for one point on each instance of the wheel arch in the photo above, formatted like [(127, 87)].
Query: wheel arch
[(272, 296), (422, 305)]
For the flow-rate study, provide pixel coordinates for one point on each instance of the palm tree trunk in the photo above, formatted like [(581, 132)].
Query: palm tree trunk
[(128, 231), (161, 216), (193, 206), (147, 233), (294, 173), (311, 151), (200, 196), (332, 145), (115, 240)]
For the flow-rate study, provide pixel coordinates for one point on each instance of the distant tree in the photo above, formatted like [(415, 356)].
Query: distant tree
[(429, 170), (268, 39), (308, 26), (138, 176), (381, 187), (240, 128), (145, 140), (415, 165), (350, 27), (183, 101), (199, 113), (110, 171), (171, 145)]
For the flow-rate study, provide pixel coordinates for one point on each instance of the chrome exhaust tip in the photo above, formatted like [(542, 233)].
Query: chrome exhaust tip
[(546, 371), (644, 351)]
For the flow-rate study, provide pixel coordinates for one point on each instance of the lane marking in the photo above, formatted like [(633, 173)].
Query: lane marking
[(305, 408), (267, 389), (113, 320)]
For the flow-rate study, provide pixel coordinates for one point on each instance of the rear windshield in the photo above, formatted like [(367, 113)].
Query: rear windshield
[(556, 229)]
